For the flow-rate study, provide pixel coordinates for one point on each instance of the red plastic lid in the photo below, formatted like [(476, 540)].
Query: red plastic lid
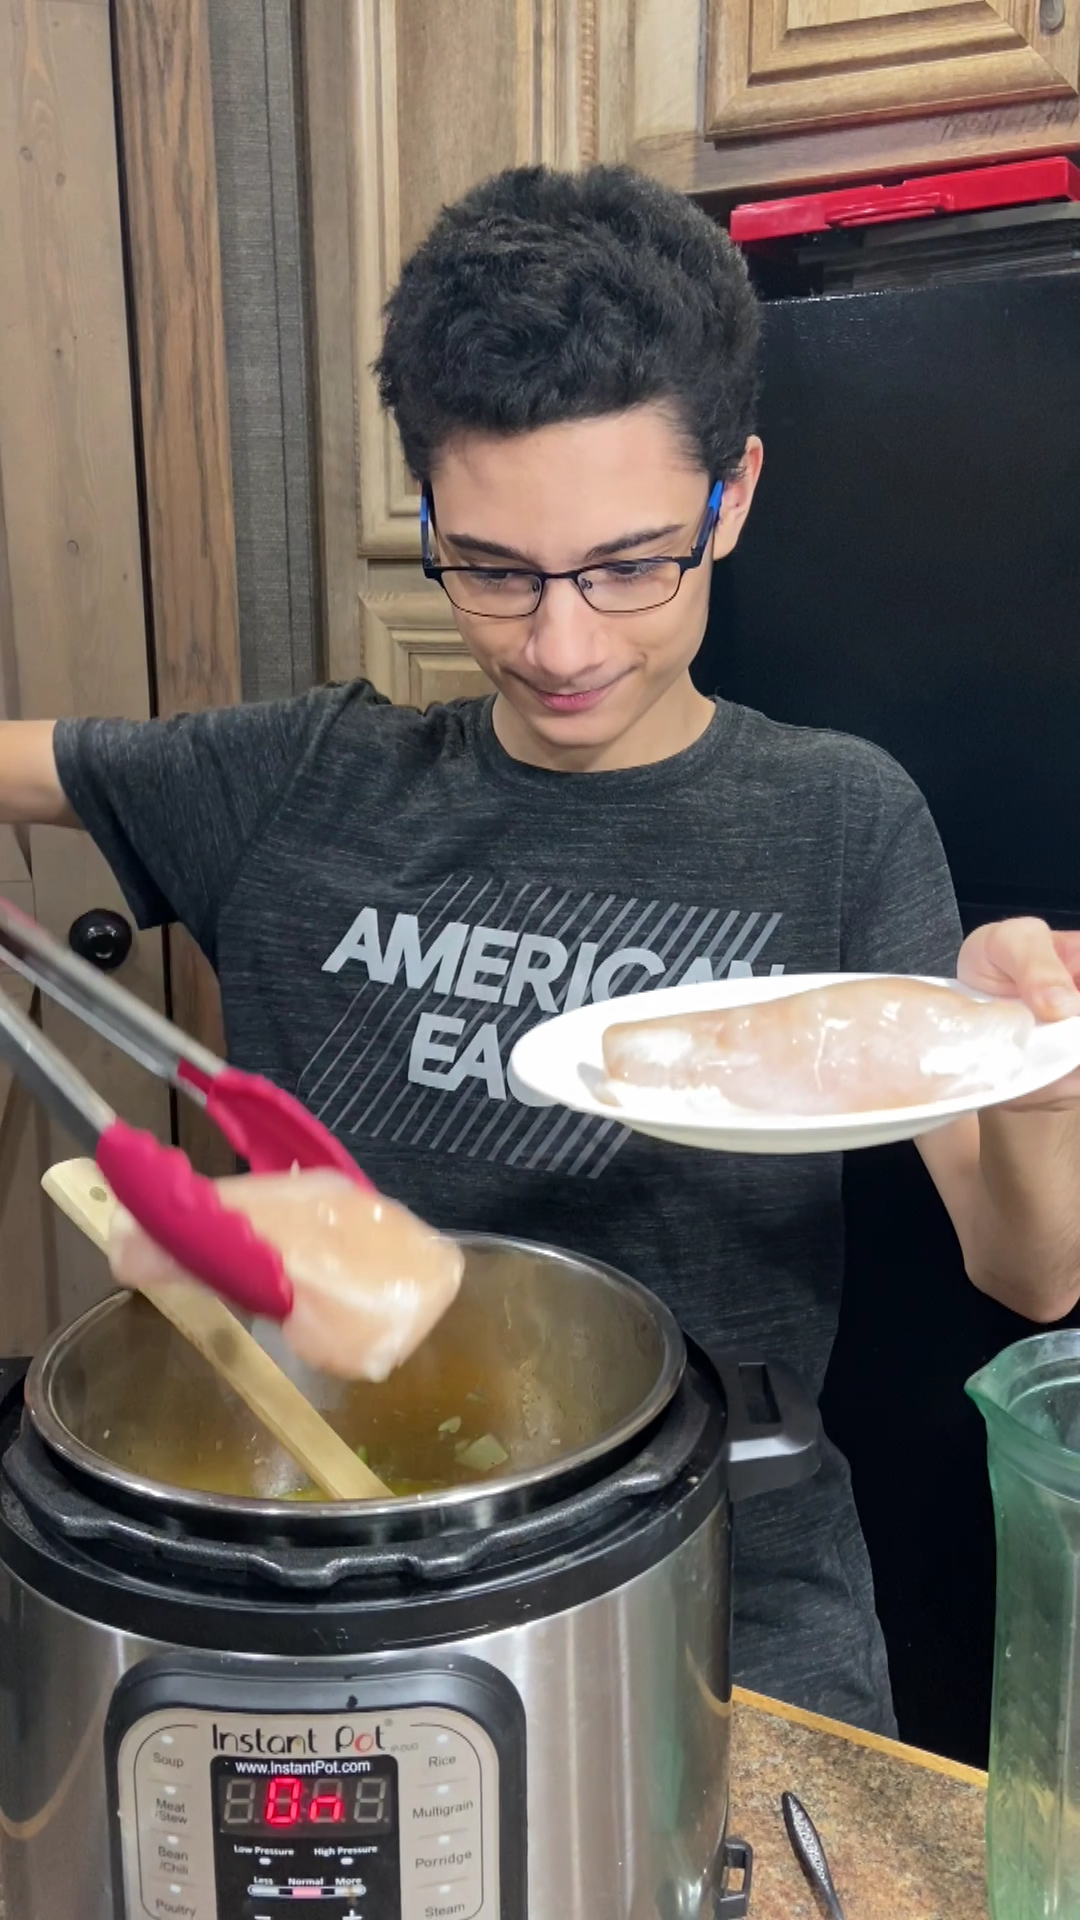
[(1019, 183)]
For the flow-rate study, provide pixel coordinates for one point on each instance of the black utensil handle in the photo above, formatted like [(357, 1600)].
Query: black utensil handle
[(102, 937), (810, 1854), (773, 1425)]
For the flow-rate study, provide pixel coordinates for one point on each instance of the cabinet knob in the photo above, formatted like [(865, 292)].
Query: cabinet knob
[(102, 937)]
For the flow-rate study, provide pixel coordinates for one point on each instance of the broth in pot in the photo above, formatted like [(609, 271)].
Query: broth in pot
[(542, 1362)]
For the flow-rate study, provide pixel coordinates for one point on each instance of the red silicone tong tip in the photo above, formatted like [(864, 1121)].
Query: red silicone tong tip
[(183, 1213), (268, 1127)]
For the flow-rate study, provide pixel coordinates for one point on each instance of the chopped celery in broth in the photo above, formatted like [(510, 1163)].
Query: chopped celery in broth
[(476, 1456), (483, 1454)]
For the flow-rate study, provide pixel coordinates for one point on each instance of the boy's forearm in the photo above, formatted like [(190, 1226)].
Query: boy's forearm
[(1025, 1227), (30, 790)]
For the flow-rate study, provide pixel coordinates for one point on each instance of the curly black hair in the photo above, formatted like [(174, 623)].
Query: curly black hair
[(542, 297)]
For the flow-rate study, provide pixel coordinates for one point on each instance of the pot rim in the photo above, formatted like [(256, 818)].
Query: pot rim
[(455, 1503)]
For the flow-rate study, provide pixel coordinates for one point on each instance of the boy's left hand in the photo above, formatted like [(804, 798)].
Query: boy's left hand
[(1025, 960)]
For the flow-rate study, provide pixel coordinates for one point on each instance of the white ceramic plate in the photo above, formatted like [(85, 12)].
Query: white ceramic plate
[(562, 1061)]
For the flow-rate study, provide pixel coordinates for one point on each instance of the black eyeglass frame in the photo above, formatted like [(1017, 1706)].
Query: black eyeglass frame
[(686, 562)]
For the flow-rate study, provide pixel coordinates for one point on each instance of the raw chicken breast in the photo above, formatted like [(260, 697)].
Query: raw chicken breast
[(857, 1047), (369, 1279)]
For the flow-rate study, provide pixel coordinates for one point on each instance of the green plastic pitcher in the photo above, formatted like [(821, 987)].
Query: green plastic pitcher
[(1030, 1399)]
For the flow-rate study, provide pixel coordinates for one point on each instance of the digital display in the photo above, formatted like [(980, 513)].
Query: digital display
[(358, 1805)]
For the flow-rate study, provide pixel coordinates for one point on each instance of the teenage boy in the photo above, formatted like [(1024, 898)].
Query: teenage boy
[(390, 898)]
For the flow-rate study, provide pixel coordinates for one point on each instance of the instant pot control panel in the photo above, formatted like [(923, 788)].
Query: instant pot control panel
[(250, 1791)]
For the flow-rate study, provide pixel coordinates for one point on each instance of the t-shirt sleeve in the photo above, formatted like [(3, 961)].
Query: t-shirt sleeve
[(175, 805), (904, 917)]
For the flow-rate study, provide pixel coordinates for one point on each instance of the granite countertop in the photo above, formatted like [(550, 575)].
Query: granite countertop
[(903, 1830)]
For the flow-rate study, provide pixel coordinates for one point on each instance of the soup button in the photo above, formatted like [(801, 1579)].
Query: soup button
[(164, 1760)]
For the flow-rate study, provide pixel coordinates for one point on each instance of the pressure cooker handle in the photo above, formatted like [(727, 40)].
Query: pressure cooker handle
[(773, 1425)]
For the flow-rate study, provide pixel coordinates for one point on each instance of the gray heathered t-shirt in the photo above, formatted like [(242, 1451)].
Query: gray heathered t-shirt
[(390, 900)]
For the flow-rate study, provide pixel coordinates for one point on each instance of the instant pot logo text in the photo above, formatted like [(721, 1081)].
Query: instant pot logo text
[(280, 1746), (258, 1740), (433, 1002)]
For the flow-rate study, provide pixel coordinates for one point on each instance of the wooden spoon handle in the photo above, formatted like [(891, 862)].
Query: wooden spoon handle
[(79, 1191)]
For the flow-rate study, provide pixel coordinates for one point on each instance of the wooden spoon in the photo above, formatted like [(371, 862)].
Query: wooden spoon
[(80, 1192)]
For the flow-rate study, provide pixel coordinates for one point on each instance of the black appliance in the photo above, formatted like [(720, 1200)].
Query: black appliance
[(911, 573)]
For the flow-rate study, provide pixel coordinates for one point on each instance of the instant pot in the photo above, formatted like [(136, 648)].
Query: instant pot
[(501, 1697)]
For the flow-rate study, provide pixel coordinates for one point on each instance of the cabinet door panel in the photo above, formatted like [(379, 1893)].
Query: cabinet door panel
[(443, 97), (740, 99), (785, 66), (412, 649), (408, 104)]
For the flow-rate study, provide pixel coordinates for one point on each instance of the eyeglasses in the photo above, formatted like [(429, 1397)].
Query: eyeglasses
[(615, 586)]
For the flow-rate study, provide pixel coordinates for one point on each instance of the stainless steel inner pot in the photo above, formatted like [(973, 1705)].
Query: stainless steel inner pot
[(560, 1360)]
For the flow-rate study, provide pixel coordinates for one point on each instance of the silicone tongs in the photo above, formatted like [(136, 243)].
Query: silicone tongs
[(176, 1206)]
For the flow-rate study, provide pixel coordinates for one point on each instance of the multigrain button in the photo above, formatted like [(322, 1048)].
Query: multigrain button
[(449, 1805)]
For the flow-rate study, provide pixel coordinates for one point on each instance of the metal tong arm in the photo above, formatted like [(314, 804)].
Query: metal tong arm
[(173, 1204), (48, 1074), (140, 1032)]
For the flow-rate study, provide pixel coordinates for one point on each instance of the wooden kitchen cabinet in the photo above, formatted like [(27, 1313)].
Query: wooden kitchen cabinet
[(115, 505), (790, 66), (407, 105), (72, 621), (737, 98)]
